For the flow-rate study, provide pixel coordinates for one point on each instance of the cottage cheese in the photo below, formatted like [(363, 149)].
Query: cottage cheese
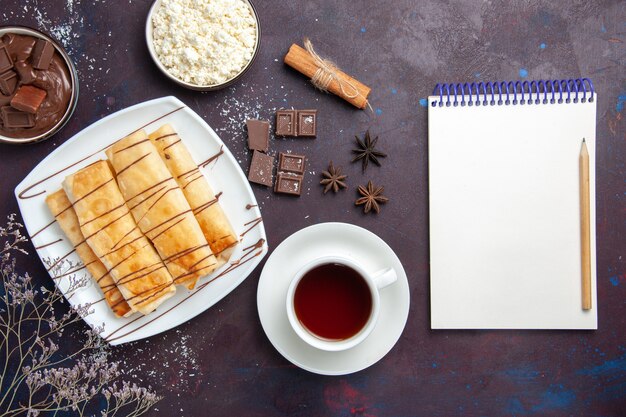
[(204, 42)]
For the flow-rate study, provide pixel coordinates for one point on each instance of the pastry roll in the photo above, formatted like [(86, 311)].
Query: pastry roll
[(62, 210), (204, 203), (160, 209), (114, 237)]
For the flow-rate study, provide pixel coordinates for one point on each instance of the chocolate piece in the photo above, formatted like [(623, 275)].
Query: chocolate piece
[(25, 71), (28, 98), (14, 118), (307, 123), (5, 101), (258, 134), (287, 183), (8, 82), (42, 54), (6, 63), (261, 169), (20, 46), (291, 163), (286, 123)]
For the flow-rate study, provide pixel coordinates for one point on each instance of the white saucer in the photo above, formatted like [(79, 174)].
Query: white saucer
[(331, 239)]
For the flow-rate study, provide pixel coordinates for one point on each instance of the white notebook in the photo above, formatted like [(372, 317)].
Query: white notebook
[(505, 229)]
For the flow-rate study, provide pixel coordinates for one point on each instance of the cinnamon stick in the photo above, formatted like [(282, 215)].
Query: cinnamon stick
[(353, 91)]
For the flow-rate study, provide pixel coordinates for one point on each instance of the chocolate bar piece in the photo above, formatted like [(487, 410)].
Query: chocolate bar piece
[(286, 123), (258, 134), (291, 163), (25, 71), (42, 54), (261, 169), (28, 98), (14, 118), (5, 100), (287, 183), (6, 63), (8, 82), (307, 123)]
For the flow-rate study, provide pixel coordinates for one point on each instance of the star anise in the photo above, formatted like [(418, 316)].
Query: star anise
[(372, 197), (367, 151), (333, 178)]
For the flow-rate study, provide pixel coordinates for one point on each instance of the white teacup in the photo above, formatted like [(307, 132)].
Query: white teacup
[(375, 282)]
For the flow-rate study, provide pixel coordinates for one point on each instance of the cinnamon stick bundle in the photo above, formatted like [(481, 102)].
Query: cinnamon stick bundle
[(326, 76)]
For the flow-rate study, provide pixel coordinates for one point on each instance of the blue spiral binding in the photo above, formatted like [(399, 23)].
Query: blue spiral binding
[(514, 92)]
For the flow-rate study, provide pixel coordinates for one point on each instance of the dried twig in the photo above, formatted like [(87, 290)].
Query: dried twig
[(35, 379)]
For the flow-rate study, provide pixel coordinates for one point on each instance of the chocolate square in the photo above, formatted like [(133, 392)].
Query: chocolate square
[(42, 54), (291, 163), (307, 123), (6, 63), (28, 98), (261, 169), (8, 82), (14, 118), (258, 134), (287, 183), (25, 71), (286, 123)]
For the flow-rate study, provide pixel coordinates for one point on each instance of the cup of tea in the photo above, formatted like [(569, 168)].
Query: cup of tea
[(333, 302)]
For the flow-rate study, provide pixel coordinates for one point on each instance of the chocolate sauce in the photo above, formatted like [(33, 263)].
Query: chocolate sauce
[(253, 223), (168, 220), (42, 229), (123, 280), (58, 261), (184, 252), (171, 144), (22, 195), (55, 80), (213, 158), (188, 172), (132, 163), (113, 248), (45, 245), (93, 191), (103, 214), (107, 225), (165, 136), (134, 144), (208, 204), (150, 188), (192, 180), (153, 238), (246, 257), (155, 202)]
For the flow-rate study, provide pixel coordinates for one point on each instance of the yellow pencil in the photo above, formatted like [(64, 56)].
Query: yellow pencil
[(585, 227)]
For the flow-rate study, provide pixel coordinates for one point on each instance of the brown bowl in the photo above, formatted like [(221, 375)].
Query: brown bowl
[(23, 30)]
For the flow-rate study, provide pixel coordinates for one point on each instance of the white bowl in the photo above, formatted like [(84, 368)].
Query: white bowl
[(155, 58)]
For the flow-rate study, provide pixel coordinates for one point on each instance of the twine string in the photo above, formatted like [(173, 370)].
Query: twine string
[(327, 73)]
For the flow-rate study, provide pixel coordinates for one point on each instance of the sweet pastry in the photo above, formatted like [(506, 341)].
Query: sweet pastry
[(113, 235), (205, 204), (160, 209), (62, 210)]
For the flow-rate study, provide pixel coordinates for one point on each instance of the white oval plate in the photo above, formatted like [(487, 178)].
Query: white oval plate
[(338, 239), (224, 174)]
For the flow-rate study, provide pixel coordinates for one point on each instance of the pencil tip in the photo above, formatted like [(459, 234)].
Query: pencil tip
[(583, 140)]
